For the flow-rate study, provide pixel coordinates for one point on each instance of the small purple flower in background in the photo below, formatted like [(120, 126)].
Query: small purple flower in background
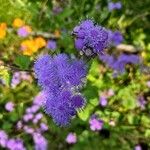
[(9, 106), (39, 99), (95, 123), (103, 101), (141, 102), (71, 138), (148, 84), (40, 142), (24, 31), (19, 125), (118, 64), (27, 117), (15, 144), (28, 130), (90, 39), (137, 147), (113, 6), (43, 127), (56, 10), (3, 138), (15, 79), (116, 38), (51, 44)]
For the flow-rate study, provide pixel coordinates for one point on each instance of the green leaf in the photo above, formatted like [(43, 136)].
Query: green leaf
[(4, 75), (23, 62)]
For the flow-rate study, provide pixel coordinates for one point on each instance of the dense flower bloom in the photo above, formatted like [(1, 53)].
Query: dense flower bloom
[(40, 142), (115, 38), (62, 107), (3, 138), (148, 84), (95, 123), (60, 77), (90, 38), (113, 6), (118, 64), (24, 31), (59, 72), (18, 23), (51, 44), (9, 106), (71, 138)]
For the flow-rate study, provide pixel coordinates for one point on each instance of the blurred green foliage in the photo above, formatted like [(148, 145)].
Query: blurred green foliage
[(132, 123)]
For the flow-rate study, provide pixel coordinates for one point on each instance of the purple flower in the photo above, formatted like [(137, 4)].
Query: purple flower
[(95, 123), (37, 117), (138, 147), (16, 79), (15, 144), (59, 77), (9, 106), (28, 130), (90, 39), (3, 138), (141, 102), (71, 138), (113, 6), (19, 125), (40, 98), (51, 44), (119, 64), (115, 38), (27, 117), (103, 101), (60, 108), (40, 142), (43, 127), (24, 31), (59, 72)]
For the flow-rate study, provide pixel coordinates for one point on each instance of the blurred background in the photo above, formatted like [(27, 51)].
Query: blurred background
[(117, 111)]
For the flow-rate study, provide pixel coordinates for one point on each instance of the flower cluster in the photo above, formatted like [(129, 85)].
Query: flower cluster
[(119, 64), (31, 118), (90, 39), (20, 76), (60, 77), (96, 124), (10, 143), (115, 38), (112, 6), (71, 138), (31, 46)]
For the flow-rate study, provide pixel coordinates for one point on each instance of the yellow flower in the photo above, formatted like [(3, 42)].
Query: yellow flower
[(18, 23), (3, 28), (57, 33), (29, 47), (40, 42)]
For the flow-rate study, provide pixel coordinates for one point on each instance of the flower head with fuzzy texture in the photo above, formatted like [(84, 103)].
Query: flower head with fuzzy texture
[(90, 38)]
